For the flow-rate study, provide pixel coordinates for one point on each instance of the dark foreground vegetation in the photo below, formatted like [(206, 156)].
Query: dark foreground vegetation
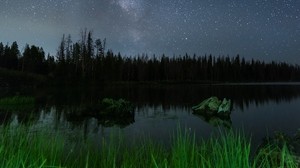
[(23, 147), (87, 61)]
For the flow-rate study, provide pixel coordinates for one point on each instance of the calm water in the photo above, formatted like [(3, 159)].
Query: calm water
[(259, 110)]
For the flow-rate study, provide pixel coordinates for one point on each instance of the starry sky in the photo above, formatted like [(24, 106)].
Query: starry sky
[(259, 29)]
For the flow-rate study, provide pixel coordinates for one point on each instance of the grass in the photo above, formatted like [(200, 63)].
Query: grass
[(273, 155), (16, 103), (16, 100), (20, 147)]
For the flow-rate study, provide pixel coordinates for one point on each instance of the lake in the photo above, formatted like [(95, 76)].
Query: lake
[(258, 109)]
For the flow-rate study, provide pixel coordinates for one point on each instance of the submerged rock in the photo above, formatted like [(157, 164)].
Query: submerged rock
[(214, 111)]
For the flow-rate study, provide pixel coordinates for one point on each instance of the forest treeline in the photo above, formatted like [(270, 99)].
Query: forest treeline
[(87, 60)]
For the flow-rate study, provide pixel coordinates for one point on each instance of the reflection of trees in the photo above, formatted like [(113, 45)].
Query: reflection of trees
[(243, 96), (187, 95), (26, 116), (174, 95), (167, 95), (161, 112), (78, 115)]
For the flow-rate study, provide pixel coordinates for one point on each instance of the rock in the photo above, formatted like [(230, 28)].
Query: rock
[(225, 106), (214, 106), (214, 111)]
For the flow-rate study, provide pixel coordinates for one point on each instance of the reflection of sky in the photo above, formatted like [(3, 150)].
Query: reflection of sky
[(161, 124), (257, 120), (267, 118)]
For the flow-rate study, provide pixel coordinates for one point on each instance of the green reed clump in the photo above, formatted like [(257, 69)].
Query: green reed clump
[(228, 150), (118, 107), (17, 103), (274, 155), (21, 147), (16, 100)]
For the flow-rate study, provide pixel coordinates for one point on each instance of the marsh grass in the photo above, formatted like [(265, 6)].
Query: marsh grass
[(16, 100), (118, 107), (274, 155), (20, 147), (16, 103)]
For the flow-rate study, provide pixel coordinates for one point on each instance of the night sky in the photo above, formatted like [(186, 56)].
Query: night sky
[(260, 29)]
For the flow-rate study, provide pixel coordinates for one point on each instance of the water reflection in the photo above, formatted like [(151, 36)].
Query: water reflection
[(216, 121), (53, 120), (158, 123), (81, 114), (259, 110), (177, 95), (72, 101)]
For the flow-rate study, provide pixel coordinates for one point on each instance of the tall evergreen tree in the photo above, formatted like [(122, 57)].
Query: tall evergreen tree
[(61, 56), (1, 54), (68, 49), (14, 55)]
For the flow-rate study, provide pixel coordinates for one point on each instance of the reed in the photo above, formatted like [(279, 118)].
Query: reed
[(15, 103), (20, 147), (16, 100)]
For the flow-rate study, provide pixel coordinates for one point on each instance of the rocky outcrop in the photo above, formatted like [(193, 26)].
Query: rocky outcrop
[(213, 105)]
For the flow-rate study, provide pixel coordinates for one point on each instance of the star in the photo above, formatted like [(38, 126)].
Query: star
[(160, 26)]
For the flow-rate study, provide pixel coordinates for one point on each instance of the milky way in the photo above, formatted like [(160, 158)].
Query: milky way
[(260, 29)]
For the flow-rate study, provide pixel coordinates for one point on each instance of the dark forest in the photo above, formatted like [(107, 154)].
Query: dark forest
[(88, 61)]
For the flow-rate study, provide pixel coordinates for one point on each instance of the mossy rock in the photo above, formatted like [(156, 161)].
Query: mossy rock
[(213, 105)]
